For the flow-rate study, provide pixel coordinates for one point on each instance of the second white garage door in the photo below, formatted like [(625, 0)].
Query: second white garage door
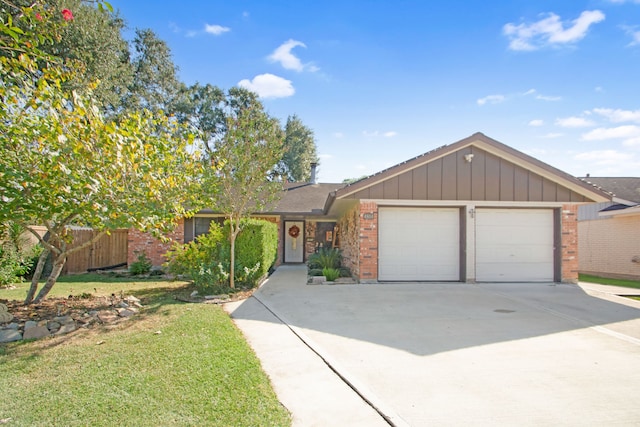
[(514, 245), (418, 244)]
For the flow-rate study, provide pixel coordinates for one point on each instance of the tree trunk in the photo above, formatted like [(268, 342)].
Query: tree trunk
[(232, 255), (42, 260), (51, 280)]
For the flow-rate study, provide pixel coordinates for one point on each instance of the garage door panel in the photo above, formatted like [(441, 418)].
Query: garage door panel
[(419, 244), (514, 245)]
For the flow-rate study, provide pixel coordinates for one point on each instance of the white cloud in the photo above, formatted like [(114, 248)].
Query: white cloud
[(550, 31), (325, 156), (603, 157), (288, 60), (529, 92), (574, 122), (491, 99), (216, 30), (553, 135), (269, 86), (599, 89), (536, 122), (548, 98), (377, 133), (633, 33), (338, 135), (619, 116), (626, 132), (632, 142)]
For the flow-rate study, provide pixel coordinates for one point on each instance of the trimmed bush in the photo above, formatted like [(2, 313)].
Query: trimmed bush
[(207, 259), (256, 250)]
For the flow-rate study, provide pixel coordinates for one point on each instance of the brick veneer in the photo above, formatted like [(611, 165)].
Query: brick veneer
[(570, 243), (139, 242), (348, 240), (368, 238)]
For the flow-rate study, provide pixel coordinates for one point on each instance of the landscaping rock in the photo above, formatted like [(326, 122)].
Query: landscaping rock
[(125, 312), (220, 297), (66, 328), (317, 280), (131, 299), (30, 324), (13, 326), (63, 319), (9, 335), (53, 325), (36, 332), (106, 316), (123, 304)]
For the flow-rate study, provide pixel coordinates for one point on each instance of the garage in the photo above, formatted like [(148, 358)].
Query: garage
[(514, 245), (419, 244)]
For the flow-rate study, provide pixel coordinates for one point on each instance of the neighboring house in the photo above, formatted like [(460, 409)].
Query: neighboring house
[(475, 210), (609, 232)]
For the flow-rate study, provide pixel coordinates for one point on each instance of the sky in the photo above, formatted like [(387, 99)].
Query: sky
[(380, 82)]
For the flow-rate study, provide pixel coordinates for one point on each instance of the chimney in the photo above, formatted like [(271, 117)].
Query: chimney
[(312, 180)]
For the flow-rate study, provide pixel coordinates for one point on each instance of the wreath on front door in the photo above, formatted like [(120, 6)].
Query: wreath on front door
[(294, 231)]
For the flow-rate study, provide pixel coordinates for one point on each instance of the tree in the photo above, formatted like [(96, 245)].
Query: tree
[(155, 84), (241, 161), (62, 163), (94, 38), (299, 151)]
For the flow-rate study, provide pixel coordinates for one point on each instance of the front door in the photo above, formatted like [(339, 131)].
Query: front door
[(293, 241)]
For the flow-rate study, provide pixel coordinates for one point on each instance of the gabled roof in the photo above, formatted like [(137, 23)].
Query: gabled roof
[(523, 167), (624, 188), (304, 198)]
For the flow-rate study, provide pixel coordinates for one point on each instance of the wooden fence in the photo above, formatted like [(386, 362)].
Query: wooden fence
[(107, 251)]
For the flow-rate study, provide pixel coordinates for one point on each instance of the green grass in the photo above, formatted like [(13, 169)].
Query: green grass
[(198, 370), (95, 284), (613, 282)]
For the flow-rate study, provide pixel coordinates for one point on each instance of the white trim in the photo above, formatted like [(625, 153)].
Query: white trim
[(461, 203)]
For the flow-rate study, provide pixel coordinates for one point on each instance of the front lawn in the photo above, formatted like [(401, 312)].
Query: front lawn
[(172, 364), (613, 282)]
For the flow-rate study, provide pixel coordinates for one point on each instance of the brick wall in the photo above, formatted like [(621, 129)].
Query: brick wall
[(607, 247), (139, 242), (348, 236), (368, 236), (569, 230)]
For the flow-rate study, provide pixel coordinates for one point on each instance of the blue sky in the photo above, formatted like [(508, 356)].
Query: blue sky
[(380, 82)]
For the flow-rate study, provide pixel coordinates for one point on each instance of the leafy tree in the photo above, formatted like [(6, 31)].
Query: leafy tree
[(155, 84), (62, 163), (299, 151), (242, 156), (94, 40)]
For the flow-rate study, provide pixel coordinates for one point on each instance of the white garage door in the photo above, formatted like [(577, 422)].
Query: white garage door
[(418, 244), (514, 245)]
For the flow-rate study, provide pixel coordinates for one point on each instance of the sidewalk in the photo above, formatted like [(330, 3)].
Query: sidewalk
[(313, 393)]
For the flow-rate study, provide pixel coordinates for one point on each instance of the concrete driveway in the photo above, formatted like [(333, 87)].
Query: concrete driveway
[(423, 354)]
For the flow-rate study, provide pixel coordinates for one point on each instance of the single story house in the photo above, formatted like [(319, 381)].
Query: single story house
[(609, 232), (474, 210)]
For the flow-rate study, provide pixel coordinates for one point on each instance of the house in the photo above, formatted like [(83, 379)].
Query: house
[(609, 232), (474, 210)]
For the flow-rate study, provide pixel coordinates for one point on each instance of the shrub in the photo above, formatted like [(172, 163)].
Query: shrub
[(17, 255), (315, 272), (325, 258), (256, 250), (330, 273), (141, 266), (207, 259), (203, 261)]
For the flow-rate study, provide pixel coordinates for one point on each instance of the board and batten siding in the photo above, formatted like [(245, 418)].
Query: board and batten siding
[(486, 178)]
